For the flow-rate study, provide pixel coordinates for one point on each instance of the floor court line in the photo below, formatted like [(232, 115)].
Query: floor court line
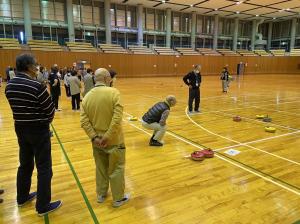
[(232, 140), (222, 158), (222, 111), (259, 140), (86, 200)]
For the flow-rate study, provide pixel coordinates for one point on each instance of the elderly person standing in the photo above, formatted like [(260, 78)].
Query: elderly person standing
[(101, 118), (75, 86), (33, 111), (88, 81), (156, 118)]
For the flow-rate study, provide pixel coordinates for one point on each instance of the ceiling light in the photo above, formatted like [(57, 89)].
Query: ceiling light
[(216, 9), (288, 9), (192, 5), (256, 15), (237, 12), (274, 17), (163, 1), (239, 2)]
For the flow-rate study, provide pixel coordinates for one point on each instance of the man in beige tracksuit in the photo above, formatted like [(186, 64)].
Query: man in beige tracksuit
[(101, 118)]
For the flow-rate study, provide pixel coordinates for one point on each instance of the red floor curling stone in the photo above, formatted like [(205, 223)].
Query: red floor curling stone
[(237, 118), (208, 153), (197, 156)]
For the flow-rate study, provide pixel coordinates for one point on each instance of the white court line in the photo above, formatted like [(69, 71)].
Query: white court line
[(261, 122), (229, 139), (279, 111), (222, 158), (259, 140)]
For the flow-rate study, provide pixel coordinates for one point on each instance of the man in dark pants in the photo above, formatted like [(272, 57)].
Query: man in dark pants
[(193, 81), (33, 111), (1, 192), (54, 87)]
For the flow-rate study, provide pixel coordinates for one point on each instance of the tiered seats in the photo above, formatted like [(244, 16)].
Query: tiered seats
[(44, 45), (279, 52), (295, 52), (228, 52), (262, 53), (81, 47), (9, 43), (246, 53), (112, 48), (164, 51), (208, 52), (140, 49), (187, 51)]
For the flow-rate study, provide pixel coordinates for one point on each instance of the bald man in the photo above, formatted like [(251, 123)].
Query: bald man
[(156, 118), (101, 118)]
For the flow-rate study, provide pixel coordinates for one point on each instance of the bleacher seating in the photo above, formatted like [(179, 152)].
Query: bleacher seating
[(187, 51), (246, 53), (208, 52), (44, 45), (262, 53), (228, 52), (113, 48), (295, 52), (81, 47), (9, 43), (140, 49), (279, 52), (164, 51)]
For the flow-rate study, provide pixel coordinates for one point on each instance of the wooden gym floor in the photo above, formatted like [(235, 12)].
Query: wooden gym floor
[(259, 185)]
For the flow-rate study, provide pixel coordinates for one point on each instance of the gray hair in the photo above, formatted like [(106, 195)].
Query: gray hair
[(171, 100)]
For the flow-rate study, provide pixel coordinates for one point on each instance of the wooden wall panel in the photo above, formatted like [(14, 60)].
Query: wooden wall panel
[(153, 65)]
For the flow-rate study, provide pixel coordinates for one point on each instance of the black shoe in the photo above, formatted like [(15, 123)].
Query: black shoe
[(1, 191), (52, 207), (155, 143), (31, 196), (1, 200)]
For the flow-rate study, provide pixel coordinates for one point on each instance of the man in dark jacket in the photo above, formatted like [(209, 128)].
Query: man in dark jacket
[(155, 119), (193, 81)]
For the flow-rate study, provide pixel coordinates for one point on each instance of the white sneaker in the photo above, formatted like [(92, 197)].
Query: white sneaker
[(190, 113), (121, 202), (101, 198)]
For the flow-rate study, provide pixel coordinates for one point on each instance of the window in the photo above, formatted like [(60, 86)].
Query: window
[(17, 8), (86, 12), (176, 22), (131, 16), (121, 15), (199, 24), (112, 17), (245, 29), (208, 25), (160, 20), (59, 10), (47, 8), (150, 19), (5, 8), (186, 23), (35, 9), (76, 13)]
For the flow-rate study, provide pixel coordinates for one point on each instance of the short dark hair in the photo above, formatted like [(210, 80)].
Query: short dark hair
[(24, 61), (112, 73), (74, 73), (89, 70)]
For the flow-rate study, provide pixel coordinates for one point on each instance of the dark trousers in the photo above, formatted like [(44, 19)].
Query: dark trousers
[(68, 93), (55, 99), (76, 101), (35, 146), (194, 94)]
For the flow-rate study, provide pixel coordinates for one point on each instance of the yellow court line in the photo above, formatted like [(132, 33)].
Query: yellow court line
[(233, 163), (232, 140)]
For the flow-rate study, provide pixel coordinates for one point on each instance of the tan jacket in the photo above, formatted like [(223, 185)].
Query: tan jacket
[(102, 114)]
